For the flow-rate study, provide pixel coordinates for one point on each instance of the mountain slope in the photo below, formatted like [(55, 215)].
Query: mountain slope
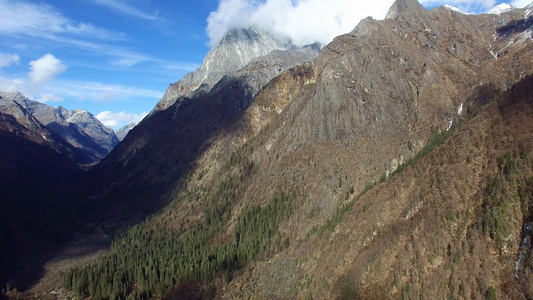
[(36, 163), (154, 156), (31, 152), (78, 127), (454, 223), (329, 182), (309, 191)]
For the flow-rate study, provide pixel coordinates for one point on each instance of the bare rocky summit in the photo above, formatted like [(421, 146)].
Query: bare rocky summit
[(238, 47)]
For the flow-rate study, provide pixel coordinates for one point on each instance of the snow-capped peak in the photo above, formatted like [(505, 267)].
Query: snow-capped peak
[(501, 8), (455, 9)]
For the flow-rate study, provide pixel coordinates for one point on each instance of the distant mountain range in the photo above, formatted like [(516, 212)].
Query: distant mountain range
[(90, 139)]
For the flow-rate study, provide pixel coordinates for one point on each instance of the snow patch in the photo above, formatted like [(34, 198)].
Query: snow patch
[(450, 124), (501, 8), (455, 9), (460, 109)]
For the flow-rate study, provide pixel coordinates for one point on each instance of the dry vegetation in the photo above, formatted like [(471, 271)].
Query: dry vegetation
[(449, 226)]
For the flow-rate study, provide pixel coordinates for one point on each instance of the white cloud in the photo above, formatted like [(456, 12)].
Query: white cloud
[(296, 20), (11, 85), (122, 7), (8, 59), (308, 21), (520, 3), (116, 120), (45, 69), (41, 20), (125, 59), (43, 98), (469, 6), (98, 92)]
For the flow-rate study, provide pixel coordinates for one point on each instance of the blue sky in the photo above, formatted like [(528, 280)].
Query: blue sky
[(115, 58)]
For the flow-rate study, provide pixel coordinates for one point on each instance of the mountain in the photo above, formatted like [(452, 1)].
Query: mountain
[(396, 164), (236, 49), (193, 119), (78, 127), (33, 153), (501, 8), (36, 163), (122, 132)]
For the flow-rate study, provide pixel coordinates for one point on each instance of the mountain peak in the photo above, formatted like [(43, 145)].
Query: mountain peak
[(237, 48), (404, 7), (236, 35), (16, 95), (501, 8)]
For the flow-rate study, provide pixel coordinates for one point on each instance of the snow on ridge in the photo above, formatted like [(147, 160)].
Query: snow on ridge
[(501, 8), (455, 9)]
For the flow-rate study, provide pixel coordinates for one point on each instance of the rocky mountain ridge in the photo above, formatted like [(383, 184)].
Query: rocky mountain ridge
[(238, 47), (78, 127)]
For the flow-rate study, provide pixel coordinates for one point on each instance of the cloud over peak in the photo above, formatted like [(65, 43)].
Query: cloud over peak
[(301, 21), (115, 120), (308, 21)]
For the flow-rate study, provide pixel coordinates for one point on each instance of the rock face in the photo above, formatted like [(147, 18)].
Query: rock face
[(77, 127), (238, 47)]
